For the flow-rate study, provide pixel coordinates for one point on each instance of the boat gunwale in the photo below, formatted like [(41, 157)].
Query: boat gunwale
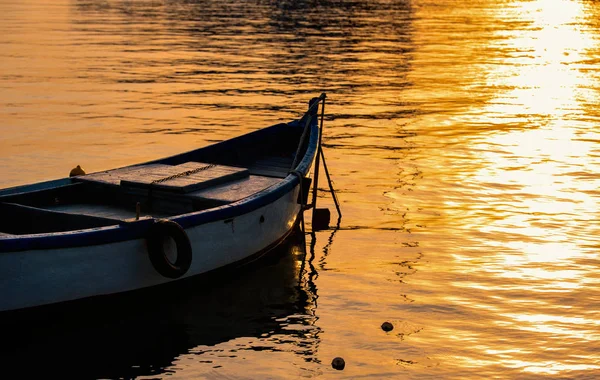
[(138, 229)]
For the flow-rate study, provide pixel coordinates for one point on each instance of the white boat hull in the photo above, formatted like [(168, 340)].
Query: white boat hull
[(48, 276)]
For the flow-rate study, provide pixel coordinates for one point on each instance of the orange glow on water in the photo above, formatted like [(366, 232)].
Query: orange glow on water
[(462, 137), (541, 78), (521, 199)]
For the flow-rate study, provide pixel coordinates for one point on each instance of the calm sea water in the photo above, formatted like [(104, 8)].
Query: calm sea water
[(462, 137)]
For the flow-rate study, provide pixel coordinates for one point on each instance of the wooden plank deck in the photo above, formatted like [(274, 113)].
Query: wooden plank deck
[(114, 177), (183, 178), (186, 177), (178, 189)]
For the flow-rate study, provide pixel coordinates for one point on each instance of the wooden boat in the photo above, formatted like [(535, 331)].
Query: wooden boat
[(158, 222)]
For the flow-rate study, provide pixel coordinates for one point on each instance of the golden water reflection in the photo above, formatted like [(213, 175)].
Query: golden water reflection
[(529, 202), (462, 137), (542, 76)]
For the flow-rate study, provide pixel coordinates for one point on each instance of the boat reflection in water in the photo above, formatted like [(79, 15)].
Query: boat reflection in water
[(145, 335)]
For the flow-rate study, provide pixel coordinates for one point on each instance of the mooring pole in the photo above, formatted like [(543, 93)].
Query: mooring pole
[(318, 160)]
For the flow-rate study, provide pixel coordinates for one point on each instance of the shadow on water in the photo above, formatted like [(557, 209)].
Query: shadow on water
[(145, 335)]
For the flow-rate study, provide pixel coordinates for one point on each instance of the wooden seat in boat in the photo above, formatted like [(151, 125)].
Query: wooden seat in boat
[(183, 178)]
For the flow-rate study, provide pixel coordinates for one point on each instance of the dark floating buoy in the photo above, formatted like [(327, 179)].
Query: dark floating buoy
[(338, 363), (320, 219), (77, 171), (386, 326)]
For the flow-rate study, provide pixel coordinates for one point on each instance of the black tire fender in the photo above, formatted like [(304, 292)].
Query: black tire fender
[(161, 230)]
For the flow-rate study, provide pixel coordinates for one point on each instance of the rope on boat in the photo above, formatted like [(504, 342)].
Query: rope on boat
[(308, 115), (320, 155), (302, 138), (174, 176), (302, 206), (183, 174)]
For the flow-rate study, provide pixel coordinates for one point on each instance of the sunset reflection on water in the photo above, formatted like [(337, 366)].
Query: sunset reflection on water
[(524, 206), (462, 137)]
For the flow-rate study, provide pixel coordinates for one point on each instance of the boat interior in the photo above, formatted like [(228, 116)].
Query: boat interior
[(198, 180)]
